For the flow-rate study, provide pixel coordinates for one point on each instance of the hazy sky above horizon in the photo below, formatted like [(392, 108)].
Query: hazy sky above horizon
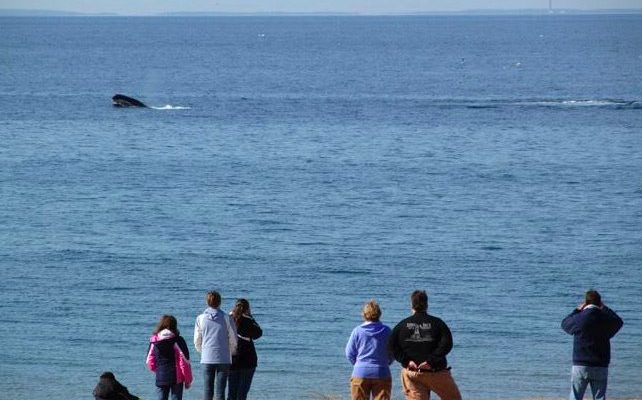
[(362, 6)]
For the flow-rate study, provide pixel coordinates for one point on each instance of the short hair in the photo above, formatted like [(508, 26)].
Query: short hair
[(371, 311), (593, 297), (213, 299), (419, 300)]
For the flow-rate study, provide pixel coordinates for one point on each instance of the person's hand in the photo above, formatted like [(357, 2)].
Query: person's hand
[(412, 366), (188, 385), (424, 365), (581, 306)]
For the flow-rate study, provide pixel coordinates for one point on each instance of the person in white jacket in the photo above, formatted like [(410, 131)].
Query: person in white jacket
[(215, 339)]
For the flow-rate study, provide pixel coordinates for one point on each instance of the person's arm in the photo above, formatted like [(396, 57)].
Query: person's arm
[(391, 357), (616, 322), (395, 348), (151, 358), (444, 346), (231, 334), (254, 330), (351, 348), (198, 336), (183, 362), (569, 324)]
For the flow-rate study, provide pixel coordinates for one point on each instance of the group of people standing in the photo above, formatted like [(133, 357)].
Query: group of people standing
[(226, 344), (421, 342)]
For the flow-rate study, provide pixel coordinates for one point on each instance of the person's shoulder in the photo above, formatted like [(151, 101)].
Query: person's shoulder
[(436, 320), (404, 321)]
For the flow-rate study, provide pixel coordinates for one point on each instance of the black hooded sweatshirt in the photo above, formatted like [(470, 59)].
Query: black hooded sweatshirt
[(421, 337)]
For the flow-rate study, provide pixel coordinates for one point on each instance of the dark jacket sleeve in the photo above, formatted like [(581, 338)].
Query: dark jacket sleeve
[(254, 331), (183, 346), (445, 341), (615, 322), (570, 323), (123, 393), (394, 346)]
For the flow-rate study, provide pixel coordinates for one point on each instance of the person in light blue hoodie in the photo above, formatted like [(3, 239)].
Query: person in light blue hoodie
[(215, 339), (367, 351)]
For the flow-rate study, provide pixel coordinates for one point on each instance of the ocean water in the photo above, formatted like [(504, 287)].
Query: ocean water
[(310, 164)]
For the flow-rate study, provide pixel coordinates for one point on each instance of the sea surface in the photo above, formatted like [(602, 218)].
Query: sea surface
[(310, 164)]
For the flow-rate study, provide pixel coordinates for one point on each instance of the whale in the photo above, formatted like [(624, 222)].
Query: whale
[(120, 100)]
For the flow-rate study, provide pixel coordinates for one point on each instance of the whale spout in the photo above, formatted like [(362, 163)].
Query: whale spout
[(120, 100)]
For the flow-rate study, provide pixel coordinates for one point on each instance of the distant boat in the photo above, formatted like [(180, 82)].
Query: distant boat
[(120, 100)]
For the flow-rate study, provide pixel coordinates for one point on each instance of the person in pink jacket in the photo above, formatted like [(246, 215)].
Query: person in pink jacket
[(168, 358)]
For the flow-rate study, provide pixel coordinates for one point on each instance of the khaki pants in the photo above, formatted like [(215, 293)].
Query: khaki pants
[(361, 388), (418, 385)]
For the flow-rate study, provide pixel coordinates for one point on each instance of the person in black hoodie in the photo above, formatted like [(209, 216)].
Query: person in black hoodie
[(420, 343), (592, 325), (108, 388), (245, 361)]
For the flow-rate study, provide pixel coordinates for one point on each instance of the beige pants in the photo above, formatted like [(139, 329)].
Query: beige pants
[(418, 385), (361, 388)]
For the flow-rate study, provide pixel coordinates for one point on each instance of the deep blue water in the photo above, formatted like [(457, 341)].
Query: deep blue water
[(310, 164)]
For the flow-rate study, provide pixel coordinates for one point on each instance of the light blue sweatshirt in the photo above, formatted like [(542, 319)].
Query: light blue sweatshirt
[(215, 337), (367, 350)]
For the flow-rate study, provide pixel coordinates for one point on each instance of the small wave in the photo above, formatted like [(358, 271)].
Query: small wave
[(171, 107), (598, 103)]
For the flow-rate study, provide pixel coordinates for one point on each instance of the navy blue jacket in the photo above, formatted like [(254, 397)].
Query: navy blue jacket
[(592, 329)]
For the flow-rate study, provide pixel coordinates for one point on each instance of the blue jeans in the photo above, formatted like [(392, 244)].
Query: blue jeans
[(240, 382), (582, 376), (215, 379), (176, 390)]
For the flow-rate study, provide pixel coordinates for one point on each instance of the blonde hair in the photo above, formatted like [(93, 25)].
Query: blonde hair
[(371, 311)]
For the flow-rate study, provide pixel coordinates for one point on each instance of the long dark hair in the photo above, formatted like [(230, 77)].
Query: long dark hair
[(242, 306), (167, 322)]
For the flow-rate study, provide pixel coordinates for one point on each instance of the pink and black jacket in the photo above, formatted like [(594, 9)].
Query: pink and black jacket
[(168, 357)]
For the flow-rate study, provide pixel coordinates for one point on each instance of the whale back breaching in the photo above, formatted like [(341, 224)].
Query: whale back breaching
[(120, 100)]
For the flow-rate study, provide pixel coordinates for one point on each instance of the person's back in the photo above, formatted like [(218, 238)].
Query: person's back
[(423, 338), (215, 339), (420, 343), (592, 329), (367, 351), (592, 325), (108, 388), (214, 326)]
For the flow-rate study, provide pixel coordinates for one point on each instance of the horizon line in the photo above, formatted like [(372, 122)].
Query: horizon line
[(494, 11)]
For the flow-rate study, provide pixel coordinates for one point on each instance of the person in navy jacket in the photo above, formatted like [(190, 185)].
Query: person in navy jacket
[(168, 358), (592, 325)]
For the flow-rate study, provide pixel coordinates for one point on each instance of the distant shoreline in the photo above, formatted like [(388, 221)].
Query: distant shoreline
[(515, 12)]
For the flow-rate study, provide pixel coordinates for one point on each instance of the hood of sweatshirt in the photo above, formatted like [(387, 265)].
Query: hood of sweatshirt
[(165, 334), (213, 314), (373, 328)]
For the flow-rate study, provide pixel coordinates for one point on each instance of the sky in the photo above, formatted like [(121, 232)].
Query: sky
[(146, 7)]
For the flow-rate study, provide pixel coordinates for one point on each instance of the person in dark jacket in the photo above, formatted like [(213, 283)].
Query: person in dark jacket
[(420, 343), (245, 360), (168, 358), (108, 388), (592, 325)]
